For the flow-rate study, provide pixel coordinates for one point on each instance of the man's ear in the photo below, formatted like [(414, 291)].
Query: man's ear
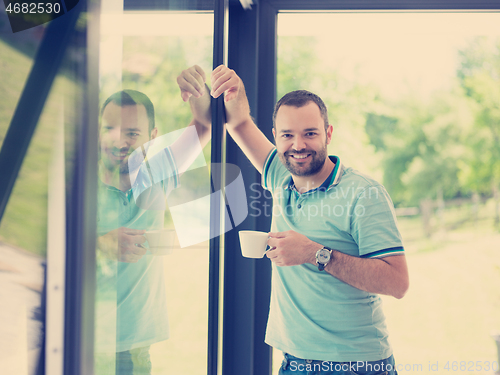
[(329, 132), (154, 133), (274, 134)]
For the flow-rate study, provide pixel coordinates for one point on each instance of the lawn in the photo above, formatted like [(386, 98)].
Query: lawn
[(25, 220), (453, 304)]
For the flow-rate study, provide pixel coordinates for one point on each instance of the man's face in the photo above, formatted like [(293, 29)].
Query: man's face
[(301, 140), (123, 129)]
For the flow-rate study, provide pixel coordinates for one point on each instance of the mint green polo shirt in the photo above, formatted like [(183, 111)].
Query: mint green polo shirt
[(314, 315), (136, 290)]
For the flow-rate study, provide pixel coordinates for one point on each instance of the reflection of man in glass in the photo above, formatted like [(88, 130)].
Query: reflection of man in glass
[(127, 272)]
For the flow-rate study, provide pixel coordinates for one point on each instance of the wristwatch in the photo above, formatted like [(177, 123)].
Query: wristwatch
[(323, 256)]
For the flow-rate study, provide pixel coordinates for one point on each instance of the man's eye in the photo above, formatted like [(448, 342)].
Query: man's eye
[(133, 134), (286, 135), (310, 134)]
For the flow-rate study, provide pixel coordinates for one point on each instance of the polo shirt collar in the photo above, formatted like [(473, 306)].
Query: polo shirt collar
[(332, 180)]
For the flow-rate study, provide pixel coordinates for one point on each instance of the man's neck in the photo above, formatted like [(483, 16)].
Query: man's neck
[(305, 183), (114, 178)]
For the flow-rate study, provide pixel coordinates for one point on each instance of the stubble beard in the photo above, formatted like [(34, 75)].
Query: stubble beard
[(317, 162)]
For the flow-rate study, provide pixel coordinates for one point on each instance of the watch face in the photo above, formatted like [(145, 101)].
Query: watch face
[(323, 256)]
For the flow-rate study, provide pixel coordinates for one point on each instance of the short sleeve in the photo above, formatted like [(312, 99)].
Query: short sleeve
[(160, 169), (374, 224)]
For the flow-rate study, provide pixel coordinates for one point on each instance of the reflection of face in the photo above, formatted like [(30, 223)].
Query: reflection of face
[(123, 130), (301, 139)]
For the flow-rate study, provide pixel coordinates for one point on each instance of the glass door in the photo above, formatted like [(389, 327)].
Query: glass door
[(411, 97), (153, 223)]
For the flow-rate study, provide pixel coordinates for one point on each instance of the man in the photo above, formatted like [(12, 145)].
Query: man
[(334, 242), (131, 290)]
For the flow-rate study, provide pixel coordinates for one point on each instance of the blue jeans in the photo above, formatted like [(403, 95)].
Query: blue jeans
[(296, 366), (133, 362)]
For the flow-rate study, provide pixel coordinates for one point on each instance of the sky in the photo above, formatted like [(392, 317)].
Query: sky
[(398, 51)]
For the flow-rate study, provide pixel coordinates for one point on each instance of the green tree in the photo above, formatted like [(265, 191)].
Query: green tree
[(479, 75), (423, 144)]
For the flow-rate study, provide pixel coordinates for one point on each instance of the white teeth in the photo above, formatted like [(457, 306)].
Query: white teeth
[(299, 156)]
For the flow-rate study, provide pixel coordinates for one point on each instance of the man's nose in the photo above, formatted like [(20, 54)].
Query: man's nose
[(119, 139), (298, 143)]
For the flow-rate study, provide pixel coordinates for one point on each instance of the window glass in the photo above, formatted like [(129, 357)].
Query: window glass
[(16, 55), (32, 229), (413, 101), (153, 195)]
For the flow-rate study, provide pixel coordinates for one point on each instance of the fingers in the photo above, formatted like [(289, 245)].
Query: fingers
[(133, 252), (139, 239), (225, 80), (131, 248), (274, 257), (277, 234), (272, 243), (132, 232), (200, 72), (138, 249), (192, 82), (129, 237), (274, 238), (271, 253)]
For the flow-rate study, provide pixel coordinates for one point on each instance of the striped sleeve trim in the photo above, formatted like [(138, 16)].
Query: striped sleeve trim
[(265, 169), (385, 252)]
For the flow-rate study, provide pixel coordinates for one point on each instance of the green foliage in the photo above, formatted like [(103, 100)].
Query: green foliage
[(151, 65), (15, 69), (296, 58), (377, 126), (446, 143), (24, 223), (479, 75), (424, 147), (449, 143), (300, 68)]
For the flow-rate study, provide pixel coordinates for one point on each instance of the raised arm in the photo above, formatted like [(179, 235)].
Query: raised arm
[(240, 125), (193, 89)]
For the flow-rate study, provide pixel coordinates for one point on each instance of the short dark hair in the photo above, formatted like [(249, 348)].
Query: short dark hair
[(300, 98), (132, 97)]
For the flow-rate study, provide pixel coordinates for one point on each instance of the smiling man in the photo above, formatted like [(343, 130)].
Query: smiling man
[(334, 242)]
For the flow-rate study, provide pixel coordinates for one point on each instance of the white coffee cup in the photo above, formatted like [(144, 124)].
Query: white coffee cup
[(253, 244), (161, 242)]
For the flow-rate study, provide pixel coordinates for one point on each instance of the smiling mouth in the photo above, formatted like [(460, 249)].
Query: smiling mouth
[(299, 156), (120, 154)]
